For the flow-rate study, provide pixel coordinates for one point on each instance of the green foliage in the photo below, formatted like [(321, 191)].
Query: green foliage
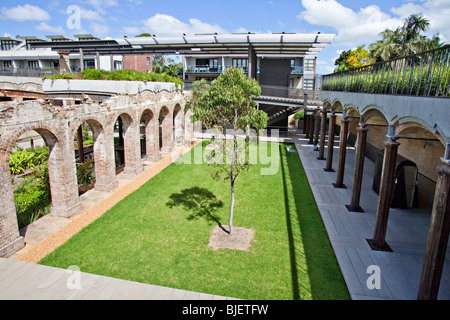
[(300, 115), (120, 75), (32, 198), (85, 173), (21, 160), (353, 58)]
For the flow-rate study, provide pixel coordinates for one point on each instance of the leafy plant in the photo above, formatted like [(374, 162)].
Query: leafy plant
[(85, 173)]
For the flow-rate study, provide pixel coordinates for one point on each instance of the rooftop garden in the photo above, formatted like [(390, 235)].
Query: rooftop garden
[(119, 75)]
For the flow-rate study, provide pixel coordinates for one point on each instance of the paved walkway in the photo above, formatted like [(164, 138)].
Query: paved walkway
[(27, 281), (406, 235)]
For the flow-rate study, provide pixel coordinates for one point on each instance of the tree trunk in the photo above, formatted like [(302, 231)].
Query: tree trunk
[(230, 219)]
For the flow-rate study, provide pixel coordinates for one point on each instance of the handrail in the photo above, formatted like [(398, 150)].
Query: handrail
[(423, 74)]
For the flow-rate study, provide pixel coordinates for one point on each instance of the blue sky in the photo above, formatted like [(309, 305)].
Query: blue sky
[(354, 22)]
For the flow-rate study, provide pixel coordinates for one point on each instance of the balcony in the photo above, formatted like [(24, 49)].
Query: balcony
[(297, 70)]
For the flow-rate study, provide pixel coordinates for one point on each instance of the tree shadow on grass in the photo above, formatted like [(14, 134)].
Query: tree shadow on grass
[(199, 202)]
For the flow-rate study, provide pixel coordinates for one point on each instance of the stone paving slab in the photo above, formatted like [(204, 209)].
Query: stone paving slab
[(26, 281)]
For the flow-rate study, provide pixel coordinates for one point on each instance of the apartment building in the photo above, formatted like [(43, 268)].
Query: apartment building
[(301, 74), (19, 57)]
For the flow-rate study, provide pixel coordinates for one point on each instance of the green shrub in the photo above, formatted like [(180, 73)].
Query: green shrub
[(32, 198), (21, 160), (299, 115), (120, 75)]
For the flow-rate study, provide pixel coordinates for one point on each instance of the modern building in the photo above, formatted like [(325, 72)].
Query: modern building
[(301, 74), (19, 56)]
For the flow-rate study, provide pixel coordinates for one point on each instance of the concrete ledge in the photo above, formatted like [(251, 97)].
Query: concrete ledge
[(12, 247)]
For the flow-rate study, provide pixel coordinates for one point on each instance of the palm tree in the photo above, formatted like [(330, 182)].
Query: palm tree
[(411, 29), (389, 47)]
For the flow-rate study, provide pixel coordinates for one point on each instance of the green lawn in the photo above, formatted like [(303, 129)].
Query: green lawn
[(157, 235)]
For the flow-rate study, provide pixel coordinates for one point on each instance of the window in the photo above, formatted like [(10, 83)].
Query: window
[(33, 64), (309, 65), (8, 44), (148, 61), (7, 64), (89, 64), (308, 84), (240, 63)]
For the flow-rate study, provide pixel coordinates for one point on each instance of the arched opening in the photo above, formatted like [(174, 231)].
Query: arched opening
[(405, 191), (84, 157), (178, 125), (32, 171), (165, 130), (121, 138)]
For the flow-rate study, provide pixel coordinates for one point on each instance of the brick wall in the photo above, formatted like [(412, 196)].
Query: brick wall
[(141, 63)]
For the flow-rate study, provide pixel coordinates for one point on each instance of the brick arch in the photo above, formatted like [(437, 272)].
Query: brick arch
[(131, 142), (96, 124), (151, 132), (166, 128)]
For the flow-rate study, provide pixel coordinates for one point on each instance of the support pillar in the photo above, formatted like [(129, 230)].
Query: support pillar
[(132, 147), (81, 60), (359, 167), (323, 129), (311, 127), (64, 62), (252, 63), (10, 239), (438, 235), (342, 151), (306, 125), (152, 139), (316, 126), (330, 150), (104, 155), (385, 194)]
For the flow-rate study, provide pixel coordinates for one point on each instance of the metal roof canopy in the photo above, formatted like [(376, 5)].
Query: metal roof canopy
[(204, 44)]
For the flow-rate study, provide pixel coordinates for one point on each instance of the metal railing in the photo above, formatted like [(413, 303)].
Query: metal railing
[(289, 93), (423, 74), (28, 72)]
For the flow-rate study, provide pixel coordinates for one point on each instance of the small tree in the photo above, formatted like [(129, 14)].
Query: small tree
[(228, 103)]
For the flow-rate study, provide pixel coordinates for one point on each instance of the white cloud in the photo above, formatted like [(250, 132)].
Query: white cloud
[(101, 5), (25, 13), (364, 26), (131, 31), (352, 27), (100, 29), (43, 26), (165, 25), (91, 15), (436, 11)]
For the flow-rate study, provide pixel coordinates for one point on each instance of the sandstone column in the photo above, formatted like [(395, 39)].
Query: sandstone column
[(316, 126)]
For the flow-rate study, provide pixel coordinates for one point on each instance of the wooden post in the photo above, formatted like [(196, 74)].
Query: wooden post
[(359, 167), (312, 119), (437, 236), (316, 126), (323, 129), (330, 150), (305, 120), (306, 125), (384, 198), (342, 151)]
